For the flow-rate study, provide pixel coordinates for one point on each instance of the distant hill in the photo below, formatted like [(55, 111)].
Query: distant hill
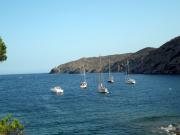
[(162, 60), (91, 64)]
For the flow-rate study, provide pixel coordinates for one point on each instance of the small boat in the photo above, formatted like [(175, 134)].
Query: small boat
[(57, 90), (129, 80), (84, 84), (111, 78), (101, 87)]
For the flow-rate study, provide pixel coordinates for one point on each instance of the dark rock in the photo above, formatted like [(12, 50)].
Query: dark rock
[(55, 71), (164, 60)]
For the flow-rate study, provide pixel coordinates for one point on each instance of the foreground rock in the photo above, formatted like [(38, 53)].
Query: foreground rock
[(171, 129)]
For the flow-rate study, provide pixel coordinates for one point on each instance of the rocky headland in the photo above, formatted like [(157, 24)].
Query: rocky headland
[(162, 60)]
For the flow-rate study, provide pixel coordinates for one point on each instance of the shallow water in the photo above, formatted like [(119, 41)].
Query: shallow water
[(139, 109)]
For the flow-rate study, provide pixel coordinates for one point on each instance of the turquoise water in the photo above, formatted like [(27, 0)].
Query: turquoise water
[(128, 110)]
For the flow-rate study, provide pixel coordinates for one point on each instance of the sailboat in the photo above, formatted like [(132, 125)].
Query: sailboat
[(129, 80), (111, 79), (84, 84), (101, 87)]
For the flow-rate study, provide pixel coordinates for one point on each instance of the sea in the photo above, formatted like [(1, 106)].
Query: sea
[(140, 109)]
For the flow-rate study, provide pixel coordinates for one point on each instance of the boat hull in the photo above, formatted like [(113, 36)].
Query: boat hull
[(83, 85), (103, 90), (57, 90), (130, 81), (110, 81)]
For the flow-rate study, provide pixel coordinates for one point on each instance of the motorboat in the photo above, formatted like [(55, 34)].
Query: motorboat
[(57, 90)]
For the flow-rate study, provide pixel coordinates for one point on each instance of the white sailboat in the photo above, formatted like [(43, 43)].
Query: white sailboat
[(129, 80), (111, 78), (84, 84), (101, 87)]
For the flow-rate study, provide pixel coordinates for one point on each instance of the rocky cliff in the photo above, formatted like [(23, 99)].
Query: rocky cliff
[(162, 60), (91, 64)]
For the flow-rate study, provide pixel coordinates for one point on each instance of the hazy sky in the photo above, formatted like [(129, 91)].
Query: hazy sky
[(41, 34)]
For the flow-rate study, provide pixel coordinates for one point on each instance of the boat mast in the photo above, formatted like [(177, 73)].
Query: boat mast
[(127, 68), (100, 72), (118, 68), (84, 73), (109, 69)]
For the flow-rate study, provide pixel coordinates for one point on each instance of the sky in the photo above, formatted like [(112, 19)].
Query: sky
[(42, 34)]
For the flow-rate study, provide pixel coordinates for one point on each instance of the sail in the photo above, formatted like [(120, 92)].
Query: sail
[(100, 73)]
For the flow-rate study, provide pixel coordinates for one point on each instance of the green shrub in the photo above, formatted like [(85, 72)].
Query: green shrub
[(10, 126), (3, 56)]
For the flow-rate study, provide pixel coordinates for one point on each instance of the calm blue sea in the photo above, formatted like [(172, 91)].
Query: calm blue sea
[(128, 110)]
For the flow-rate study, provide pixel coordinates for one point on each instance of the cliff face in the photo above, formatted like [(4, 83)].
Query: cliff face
[(163, 60), (135, 61)]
